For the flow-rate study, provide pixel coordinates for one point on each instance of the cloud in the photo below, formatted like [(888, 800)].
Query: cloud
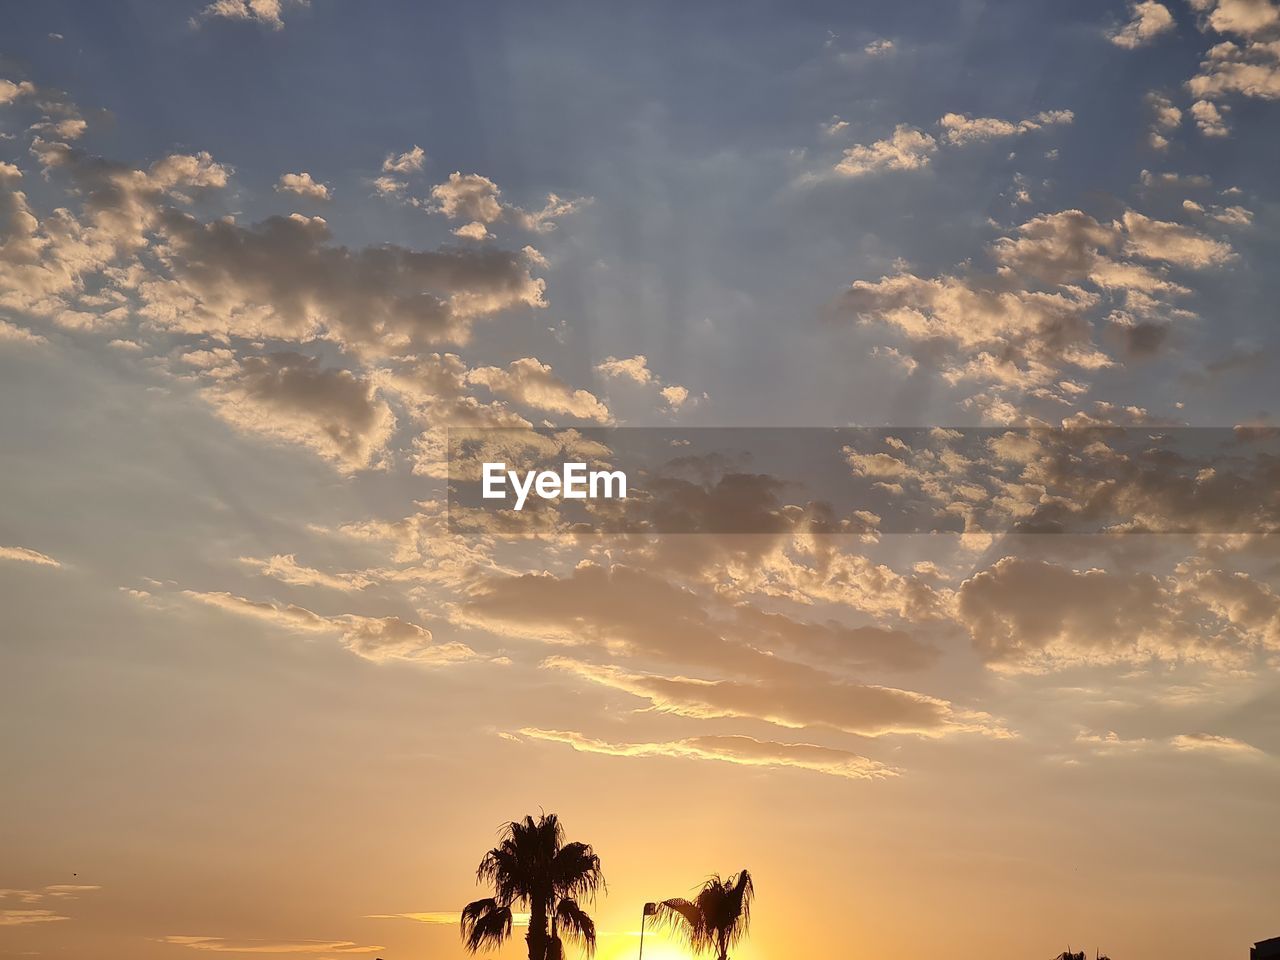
[(289, 616), (878, 48), (286, 569), (744, 751), (636, 370), (267, 12), (1235, 216), (377, 639), (59, 116), (912, 149), (1215, 745), (1251, 71), (1247, 66), (41, 263), (675, 395), (834, 127), (10, 91), (816, 701), (1035, 615), (907, 149), (384, 639), (1149, 20), (1166, 118), (31, 910), (57, 891), (532, 383), (302, 185), (282, 278), (633, 612), (19, 918), (1009, 329), (444, 918), (1023, 613), (1253, 608), (408, 162), (472, 231), (1026, 335), (959, 129), (1209, 118), (226, 945), (1242, 17), (1173, 242), (1205, 744), (26, 555), (291, 397), (468, 197), (1082, 478), (477, 199)]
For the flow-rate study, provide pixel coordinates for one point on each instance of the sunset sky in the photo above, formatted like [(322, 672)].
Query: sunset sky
[(256, 256)]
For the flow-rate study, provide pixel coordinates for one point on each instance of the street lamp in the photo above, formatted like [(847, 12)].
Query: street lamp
[(649, 910)]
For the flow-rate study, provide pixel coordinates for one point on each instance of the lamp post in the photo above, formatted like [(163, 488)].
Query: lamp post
[(649, 910)]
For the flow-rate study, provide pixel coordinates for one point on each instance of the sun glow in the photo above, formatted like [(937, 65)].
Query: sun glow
[(657, 946)]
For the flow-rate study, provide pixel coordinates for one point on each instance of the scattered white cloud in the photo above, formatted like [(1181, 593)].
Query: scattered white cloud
[(1209, 118), (636, 370), (267, 12), (534, 384), (908, 149), (408, 162), (835, 126), (1149, 20), (959, 129), (478, 200), (1165, 119), (303, 185)]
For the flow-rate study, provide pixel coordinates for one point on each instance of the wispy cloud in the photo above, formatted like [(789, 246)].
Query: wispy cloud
[(230, 945), (32, 905), (744, 751), (27, 555), (441, 917)]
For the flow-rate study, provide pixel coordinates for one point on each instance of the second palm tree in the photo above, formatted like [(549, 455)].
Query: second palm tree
[(717, 918)]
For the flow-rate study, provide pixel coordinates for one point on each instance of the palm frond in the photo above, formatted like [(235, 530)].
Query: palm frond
[(576, 869), (739, 894), (485, 924), (685, 918), (576, 925)]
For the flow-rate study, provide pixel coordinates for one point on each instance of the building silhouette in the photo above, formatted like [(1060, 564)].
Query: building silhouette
[(1265, 950)]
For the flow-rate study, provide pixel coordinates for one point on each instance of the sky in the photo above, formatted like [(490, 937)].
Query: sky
[(258, 256)]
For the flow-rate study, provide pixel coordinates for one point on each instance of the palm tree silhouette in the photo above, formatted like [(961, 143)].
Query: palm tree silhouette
[(533, 866), (717, 918)]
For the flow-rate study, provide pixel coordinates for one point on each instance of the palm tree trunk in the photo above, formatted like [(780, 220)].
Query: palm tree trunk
[(554, 950), (536, 938)]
